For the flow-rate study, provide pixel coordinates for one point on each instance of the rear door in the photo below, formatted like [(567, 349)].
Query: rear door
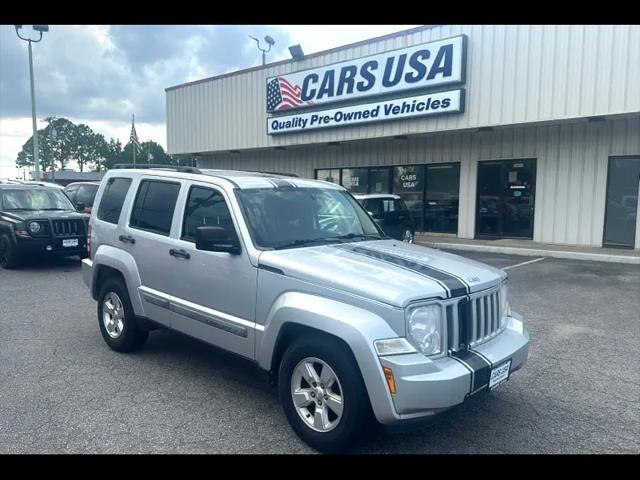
[(146, 237)]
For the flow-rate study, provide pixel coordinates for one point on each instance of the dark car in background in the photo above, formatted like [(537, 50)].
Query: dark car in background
[(36, 220), (391, 213), (82, 195)]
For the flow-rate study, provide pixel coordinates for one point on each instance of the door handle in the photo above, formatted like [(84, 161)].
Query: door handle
[(180, 253), (127, 239)]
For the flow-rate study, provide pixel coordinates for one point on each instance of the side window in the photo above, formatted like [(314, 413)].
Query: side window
[(373, 205), (112, 199), (85, 194), (205, 207), (154, 206), (399, 205), (71, 193)]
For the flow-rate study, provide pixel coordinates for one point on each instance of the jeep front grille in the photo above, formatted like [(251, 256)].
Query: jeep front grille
[(485, 317), (474, 319), (67, 228)]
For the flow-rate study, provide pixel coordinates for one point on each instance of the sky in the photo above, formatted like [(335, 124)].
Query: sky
[(101, 75)]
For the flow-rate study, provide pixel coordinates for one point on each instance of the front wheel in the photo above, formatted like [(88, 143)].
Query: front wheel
[(9, 257), (323, 394)]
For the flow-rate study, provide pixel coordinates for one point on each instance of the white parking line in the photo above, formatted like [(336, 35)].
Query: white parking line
[(524, 263)]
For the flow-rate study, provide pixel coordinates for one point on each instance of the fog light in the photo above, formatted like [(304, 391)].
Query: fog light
[(49, 248), (391, 382)]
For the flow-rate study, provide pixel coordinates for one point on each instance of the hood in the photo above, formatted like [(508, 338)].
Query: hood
[(388, 271), (24, 215)]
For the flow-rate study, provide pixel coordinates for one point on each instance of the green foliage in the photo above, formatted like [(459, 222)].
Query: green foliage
[(81, 144)]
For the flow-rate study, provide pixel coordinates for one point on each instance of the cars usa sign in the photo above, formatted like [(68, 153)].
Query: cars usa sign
[(423, 66)]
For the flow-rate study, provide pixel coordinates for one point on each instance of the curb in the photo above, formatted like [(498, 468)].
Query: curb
[(533, 252)]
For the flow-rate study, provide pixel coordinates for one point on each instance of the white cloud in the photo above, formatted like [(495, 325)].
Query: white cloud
[(100, 75)]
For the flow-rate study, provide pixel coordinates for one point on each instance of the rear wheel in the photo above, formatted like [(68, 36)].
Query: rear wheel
[(9, 257), (118, 324), (323, 394)]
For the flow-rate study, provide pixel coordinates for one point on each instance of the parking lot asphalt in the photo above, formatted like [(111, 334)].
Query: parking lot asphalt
[(62, 390)]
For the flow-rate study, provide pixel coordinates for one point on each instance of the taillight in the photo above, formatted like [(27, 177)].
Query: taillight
[(89, 240)]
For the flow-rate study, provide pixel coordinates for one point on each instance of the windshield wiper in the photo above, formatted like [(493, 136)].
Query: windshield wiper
[(29, 209), (307, 241), (56, 209), (336, 239), (349, 236)]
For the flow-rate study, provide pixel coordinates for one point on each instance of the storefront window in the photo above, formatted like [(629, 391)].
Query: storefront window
[(408, 183), (356, 179), (379, 180)]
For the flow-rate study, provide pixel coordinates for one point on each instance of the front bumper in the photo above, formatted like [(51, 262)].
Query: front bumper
[(51, 246), (428, 387)]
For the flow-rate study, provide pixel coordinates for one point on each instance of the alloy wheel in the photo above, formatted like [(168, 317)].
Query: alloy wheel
[(317, 394), (113, 314)]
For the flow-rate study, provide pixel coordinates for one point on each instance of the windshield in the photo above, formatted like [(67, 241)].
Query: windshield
[(35, 199), (289, 217)]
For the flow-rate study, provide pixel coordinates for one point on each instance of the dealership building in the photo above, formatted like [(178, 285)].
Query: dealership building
[(486, 131)]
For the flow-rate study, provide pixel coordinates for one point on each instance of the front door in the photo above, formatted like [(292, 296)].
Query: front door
[(505, 199), (213, 292), (622, 202)]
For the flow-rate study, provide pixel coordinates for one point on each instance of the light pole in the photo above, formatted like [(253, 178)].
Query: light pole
[(270, 41), (54, 136), (40, 29)]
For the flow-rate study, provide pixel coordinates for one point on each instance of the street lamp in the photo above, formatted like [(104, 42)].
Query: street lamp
[(54, 136), (270, 41), (40, 29)]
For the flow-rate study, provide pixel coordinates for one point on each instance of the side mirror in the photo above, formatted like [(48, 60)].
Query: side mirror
[(217, 239), (80, 207)]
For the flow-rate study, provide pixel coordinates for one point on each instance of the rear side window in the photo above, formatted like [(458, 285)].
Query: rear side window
[(112, 199), (154, 206), (205, 207)]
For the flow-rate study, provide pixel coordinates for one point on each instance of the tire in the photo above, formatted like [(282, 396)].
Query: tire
[(356, 416), (9, 257), (408, 235), (126, 335)]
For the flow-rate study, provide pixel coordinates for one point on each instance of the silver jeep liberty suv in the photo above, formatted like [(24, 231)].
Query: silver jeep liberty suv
[(357, 329)]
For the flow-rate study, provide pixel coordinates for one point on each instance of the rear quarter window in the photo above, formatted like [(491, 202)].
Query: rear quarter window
[(112, 199)]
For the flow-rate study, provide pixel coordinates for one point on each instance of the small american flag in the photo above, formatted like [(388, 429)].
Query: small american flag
[(281, 94), (133, 136)]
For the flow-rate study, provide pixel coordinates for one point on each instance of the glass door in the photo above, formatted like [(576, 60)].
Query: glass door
[(441, 198), (505, 199), (622, 202)]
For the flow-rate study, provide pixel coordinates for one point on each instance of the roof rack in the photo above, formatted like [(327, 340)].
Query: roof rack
[(279, 173), (157, 166)]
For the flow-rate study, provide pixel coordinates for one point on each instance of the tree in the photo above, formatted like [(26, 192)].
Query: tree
[(88, 148), (158, 154), (112, 154)]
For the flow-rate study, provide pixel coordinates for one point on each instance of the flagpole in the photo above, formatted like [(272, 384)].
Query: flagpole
[(133, 119)]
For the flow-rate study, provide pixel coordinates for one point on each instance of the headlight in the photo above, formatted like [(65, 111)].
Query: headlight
[(34, 227), (424, 327)]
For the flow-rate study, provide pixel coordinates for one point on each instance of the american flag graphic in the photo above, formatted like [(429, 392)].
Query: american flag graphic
[(281, 94)]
